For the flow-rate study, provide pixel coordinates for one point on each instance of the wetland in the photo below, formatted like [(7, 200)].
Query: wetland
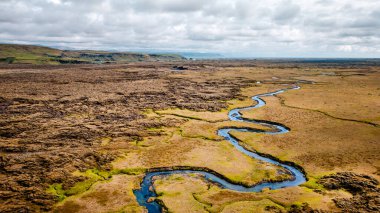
[(85, 137)]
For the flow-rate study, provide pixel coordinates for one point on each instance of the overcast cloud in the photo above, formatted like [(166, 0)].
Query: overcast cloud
[(261, 28)]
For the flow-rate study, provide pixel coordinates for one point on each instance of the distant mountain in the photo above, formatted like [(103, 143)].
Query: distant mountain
[(30, 54), (196, 55)]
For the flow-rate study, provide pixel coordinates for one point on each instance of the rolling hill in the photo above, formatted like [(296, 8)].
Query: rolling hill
[(30, 54)]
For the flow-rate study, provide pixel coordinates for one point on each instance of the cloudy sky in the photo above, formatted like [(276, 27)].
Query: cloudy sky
[(240, 28)]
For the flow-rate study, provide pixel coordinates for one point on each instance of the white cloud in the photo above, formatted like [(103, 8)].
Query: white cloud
[(345, 48), (54, 1), (286, 11), (233, 27)]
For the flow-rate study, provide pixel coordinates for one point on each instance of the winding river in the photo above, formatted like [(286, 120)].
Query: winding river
[(298, 177)]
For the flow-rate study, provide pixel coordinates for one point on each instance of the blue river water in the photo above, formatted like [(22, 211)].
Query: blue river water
[(146, 191)]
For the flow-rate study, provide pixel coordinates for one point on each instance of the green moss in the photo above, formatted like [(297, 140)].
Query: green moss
[(93, 175), (56, 189), (80, 187), (312, 184), (130, 171)]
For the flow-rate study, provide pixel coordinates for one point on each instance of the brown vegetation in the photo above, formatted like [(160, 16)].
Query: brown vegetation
[(117, 121)]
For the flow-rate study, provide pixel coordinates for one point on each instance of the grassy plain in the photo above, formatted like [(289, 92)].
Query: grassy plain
[(79, 138), (339, 132)]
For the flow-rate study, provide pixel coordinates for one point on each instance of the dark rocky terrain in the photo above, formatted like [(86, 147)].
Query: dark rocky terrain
[(365, 191), (53, 119)]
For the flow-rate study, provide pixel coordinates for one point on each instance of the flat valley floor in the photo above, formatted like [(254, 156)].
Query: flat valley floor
[(79, 138)]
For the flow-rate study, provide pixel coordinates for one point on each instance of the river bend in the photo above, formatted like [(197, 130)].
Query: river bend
[(298, 177)]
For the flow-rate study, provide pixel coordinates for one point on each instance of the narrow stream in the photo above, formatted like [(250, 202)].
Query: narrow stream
[(145, 192)]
